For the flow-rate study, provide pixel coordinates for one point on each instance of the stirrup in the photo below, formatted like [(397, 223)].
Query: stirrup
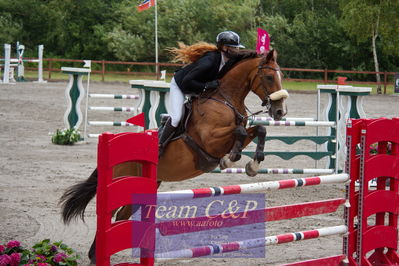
[(164, 118)]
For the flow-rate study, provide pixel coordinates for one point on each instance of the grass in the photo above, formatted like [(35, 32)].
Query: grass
[(289, 85), (312, 86)]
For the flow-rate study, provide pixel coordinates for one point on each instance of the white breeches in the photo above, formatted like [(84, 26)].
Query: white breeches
[(176, 101)]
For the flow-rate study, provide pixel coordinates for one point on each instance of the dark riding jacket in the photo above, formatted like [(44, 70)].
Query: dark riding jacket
[(192, 78)]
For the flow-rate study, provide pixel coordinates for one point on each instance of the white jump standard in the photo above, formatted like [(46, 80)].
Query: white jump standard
[(10, 63)]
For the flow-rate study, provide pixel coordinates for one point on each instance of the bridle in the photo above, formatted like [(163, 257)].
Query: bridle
[(267, 102)]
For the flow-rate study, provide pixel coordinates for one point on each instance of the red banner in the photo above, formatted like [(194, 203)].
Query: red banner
[(263, 42)]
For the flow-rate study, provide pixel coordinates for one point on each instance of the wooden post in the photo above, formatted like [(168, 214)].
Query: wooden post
[(50, 66), (385, 82), (102, 70), (325, 76)]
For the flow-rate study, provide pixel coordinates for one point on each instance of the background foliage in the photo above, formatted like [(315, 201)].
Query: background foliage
[(307, 33)]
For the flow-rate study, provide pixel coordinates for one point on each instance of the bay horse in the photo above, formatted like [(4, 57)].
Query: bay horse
[(215, 134)]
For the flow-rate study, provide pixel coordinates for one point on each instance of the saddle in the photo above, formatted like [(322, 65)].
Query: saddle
[(205, 162)]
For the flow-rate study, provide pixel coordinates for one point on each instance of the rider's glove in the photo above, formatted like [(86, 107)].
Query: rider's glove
[(212, 84)]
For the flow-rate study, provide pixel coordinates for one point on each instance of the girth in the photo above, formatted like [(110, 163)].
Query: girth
[(205, 162)]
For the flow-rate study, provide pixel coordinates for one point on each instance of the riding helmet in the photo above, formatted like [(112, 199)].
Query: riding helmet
[(229, 38)]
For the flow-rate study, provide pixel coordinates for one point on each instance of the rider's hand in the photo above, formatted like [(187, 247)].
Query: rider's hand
[(212, 84)]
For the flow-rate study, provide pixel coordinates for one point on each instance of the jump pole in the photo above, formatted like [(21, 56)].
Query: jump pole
[(113, 96), (253, 187), (251, 243), (279, 171), (131, 109)]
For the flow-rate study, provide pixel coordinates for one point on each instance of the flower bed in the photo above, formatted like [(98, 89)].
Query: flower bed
[(43, 253)]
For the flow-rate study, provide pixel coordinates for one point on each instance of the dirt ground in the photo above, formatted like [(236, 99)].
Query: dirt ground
[(34, 172)]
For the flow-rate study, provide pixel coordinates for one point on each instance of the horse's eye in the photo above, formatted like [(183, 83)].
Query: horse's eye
[(269, 78)]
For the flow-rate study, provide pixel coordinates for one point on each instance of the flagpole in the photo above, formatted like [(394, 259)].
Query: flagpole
[(156, 40)]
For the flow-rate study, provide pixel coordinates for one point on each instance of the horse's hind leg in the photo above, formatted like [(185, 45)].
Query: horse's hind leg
[(252, 167), (235, 154)]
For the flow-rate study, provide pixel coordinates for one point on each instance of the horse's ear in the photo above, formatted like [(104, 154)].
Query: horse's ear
[(271, 56)]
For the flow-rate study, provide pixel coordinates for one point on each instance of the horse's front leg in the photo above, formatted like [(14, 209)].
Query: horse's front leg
[(228, 160), (252, 167)]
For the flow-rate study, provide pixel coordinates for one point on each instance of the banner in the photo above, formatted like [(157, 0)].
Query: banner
[(263, 42)]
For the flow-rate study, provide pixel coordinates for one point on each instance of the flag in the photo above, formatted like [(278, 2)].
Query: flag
[(146, 4), (138, 120), (163, 74), (341, 80), (87, 63), (263, 42)]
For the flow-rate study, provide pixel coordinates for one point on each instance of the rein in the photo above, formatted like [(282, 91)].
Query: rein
[(240, 118)]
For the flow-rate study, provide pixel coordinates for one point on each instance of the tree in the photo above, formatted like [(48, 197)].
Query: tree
[(306, 33), (10, 29), (373, 20), (186, 21)]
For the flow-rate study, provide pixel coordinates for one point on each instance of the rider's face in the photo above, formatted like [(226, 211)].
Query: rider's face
[(228, 49)]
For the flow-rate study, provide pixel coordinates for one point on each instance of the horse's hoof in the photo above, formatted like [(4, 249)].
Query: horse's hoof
[(251, 168), (225, 163)]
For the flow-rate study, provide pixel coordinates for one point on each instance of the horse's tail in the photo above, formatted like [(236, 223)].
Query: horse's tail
[(76, 198)]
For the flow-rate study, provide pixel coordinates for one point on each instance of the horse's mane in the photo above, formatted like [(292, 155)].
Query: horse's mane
[(188, 54), (235, 58)]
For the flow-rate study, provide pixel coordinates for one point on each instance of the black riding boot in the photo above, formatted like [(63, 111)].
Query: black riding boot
[(165, 135)]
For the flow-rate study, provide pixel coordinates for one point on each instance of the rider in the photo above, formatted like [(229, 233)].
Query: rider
[(196, 77)]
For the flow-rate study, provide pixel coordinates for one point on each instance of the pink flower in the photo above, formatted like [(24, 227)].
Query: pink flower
[(5, 260), (15, 259), (43, 264), (2, 249), (59, 257), (40, 258), (13, 244)]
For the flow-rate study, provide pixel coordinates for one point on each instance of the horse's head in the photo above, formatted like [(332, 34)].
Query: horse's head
[(269, 86)]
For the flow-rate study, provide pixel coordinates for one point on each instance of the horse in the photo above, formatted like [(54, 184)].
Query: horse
[(215, 134)]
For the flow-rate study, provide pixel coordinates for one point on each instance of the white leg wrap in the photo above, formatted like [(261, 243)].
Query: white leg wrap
[(252, 168), (225, 162)]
